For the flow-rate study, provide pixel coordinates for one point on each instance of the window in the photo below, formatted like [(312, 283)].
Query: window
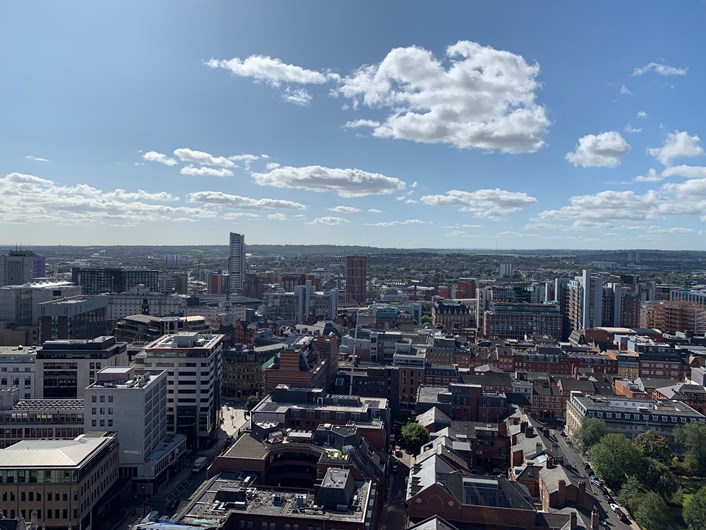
[(93, 399), (93, 423)]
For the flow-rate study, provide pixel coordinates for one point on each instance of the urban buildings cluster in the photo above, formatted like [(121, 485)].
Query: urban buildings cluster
[(113, 383)]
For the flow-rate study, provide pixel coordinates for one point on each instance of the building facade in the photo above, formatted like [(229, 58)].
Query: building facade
[(356, 279), (236, 263)]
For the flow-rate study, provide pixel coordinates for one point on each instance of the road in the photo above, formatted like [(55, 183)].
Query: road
[(577, 462)]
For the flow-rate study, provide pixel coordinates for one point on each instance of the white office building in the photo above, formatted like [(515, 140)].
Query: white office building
[(194, 366), (130, 401)]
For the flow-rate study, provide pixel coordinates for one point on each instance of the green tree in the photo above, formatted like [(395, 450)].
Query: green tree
[(631, 492), (656, 476), (590, 433), (615, 458), (653, 445), (251, 402), (652, 512), (414, 436), (691, 436), (694, 512)]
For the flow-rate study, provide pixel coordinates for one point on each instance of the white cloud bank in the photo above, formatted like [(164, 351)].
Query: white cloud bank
[(236, 201), (599, 150), (345, 182), (154, 156), (661, 69), (206, 171), (200, 157), (272, 70), (488, 203)]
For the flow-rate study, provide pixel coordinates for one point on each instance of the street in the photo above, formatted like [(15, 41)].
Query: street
[(577, 462)]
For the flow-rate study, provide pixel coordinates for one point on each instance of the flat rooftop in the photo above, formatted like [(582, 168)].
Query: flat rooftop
[(43, 454), (233, 492)]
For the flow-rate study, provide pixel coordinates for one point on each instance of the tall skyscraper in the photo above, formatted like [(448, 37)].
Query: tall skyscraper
[(16, 268), (356, 276), (236, 263)]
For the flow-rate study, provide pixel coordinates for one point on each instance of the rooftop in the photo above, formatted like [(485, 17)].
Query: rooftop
[(42, 454)]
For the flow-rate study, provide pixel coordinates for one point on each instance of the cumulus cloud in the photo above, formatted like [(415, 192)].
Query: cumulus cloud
[(476, 97), (297, 96), (356, 124), (661, 69), (199, 157), (374, 210), (206, 171), (677, 145), (652, 176), (398, 223), (641, 114), (28, 198), (691, 189), (330, 221), (632, 130), (345, 182), (272, 70), (344, 209), (625, 91), (690, 172), (277, 217), (154, 156), (236, 201), (605, 205), (599, 150), (36, 158), (247, 159), (489, 203)]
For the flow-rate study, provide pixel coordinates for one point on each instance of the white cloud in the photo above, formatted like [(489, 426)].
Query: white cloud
[(398, 223), (206, 171), (604, 206), (330, 221), (652, 176), (236, 201), (691, 189), (297, 96), (355, 124), (661, 69), (601, 150), (481, 98), (625, 91), (154, 156), (674, 230), (277, 217), (344, 209), (632, 130), (345, 182), (28, 198), (690, 172), (36, 158), (199, 157), (272, 71), (374, 210), (641, 114), (489, 203), (247, 159), (678, 145)]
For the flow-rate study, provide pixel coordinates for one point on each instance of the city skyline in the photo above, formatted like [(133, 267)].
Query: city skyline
[(453, 125)]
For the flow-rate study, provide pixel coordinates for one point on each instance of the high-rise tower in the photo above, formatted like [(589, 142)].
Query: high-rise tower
[(236, 263), (356, 276)]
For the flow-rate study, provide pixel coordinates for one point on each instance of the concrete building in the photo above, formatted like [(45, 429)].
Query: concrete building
[(243, 375), (17, 267), (174, 282), (306, 362), (585, 301), (19, 305), (128, 401), (112, 280), (302, 305), (34, 419), (140, 329), (356, 279), (75, 317), (18, 369), (64, 368), (139, 299), (455, 314), (675, 316), (629, 416), (236, 263), (515, 321), (64, 481), (194, 366)]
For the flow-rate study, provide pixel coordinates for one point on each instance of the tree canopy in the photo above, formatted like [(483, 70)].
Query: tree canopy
[(590, 433), (615, 458), (694, 512), (692, 436), (251, 402), (652, 512), (414, 436), (653, 445)]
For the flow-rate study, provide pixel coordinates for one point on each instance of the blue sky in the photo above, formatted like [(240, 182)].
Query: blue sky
[(393, 124)]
